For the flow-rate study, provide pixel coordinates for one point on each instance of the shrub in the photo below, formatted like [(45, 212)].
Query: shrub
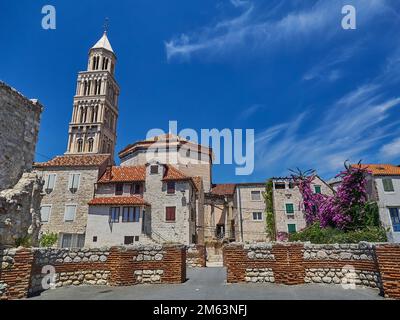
[(25, 241), (316, 234), (48, 240)]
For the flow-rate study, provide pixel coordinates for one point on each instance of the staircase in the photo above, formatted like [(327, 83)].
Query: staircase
[(146, 239), (214, 255)]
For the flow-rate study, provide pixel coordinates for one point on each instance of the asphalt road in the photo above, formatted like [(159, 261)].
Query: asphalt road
[(209, 284)]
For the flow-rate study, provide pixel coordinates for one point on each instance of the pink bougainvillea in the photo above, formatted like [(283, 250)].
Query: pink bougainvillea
[(343, 208)]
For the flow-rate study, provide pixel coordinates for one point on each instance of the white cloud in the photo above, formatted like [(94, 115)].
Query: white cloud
[(350, 128), (258, 28), (392, 149), (250, 111)]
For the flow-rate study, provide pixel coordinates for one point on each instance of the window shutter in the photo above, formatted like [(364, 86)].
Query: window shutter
[(45, 213), (388, 185), (75, 183), (70, 213)]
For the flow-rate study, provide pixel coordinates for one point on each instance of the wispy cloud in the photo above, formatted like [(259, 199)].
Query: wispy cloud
[(250, 111), (350, 128), (257, 29), (391, 150)]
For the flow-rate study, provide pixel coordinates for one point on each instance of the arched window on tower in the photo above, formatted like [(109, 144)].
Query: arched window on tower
[(97, 63), (90, 144), (81, 113), (106, 65), (99, 87), (88, 89), (94, 113), (94, 63), (79, 145), (85, 87)]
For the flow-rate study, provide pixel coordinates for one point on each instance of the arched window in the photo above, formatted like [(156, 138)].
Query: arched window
[(80, 145), (99, 87), (82, 111), (109, 148), (85, 87), (90, 144), (97, 63), (106, 65), (94, 63), (88, 88), (94, 113)]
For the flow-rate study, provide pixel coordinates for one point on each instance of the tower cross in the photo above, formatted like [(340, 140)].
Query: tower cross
[(106, 25)]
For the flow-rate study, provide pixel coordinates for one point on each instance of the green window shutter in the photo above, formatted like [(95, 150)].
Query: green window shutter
[(388, 185), (317, 189), (289, 208), (291, 228)]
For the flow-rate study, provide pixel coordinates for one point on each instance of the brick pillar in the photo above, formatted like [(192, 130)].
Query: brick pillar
[(235, 259), (388, 259), (18, 278), (120, 263), (288, 268), (174, 263)]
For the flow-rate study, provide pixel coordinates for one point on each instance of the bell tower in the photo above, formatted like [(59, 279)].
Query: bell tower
[(92, 129)]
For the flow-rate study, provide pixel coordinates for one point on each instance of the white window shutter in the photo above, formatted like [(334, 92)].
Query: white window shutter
[(70, 180)]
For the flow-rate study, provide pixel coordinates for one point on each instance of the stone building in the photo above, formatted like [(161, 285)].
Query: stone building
[(70, 178), (20, 191), (147, 203), (384, 187), (69, 182), (249, 213), (287, 202)]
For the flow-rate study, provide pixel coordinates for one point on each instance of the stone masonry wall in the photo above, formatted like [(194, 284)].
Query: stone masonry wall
[(24, 271), (19, 128), (20, 211), (363, 264), (195, 256)]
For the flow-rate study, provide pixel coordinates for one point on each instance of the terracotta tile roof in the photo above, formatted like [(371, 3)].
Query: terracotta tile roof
[(75, 161), (124, 174), (223, 189), (172, 173), (131, 200), (381, 169)]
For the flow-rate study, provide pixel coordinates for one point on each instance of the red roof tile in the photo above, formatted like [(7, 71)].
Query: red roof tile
[(131, 200), (381, 169), (124, 174), (223, 189), (75, 161), (172, 173)]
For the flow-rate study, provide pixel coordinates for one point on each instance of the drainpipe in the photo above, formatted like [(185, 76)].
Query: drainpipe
[(240, 213)]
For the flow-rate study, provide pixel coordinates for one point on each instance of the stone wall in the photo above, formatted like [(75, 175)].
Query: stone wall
[(24, 271), (195, 256), (20, 211), (19, 127), (363, 264)]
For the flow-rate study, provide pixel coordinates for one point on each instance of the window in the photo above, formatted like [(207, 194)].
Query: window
[(45, 213), (317, 189), (119, 189), (289, 208), (95, 239), (171, 187), (49, 183), (257, 216), (130, 214), (395, 217), (153, 169), (291, 228), (387, 185), (280, 185), (291, 185), (188, 153), (170, 214), (80, 145), (136, 188), (136, 238), (128, 240), (114, 215), (90, 144), (73, 183), (70, 211), (69, 240), (256, 195), (66, 241)]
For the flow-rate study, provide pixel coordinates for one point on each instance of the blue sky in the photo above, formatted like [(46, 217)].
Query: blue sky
[(315, 94)]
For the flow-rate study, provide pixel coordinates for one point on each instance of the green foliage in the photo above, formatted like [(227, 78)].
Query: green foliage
[(269, 210), (48, 240), (316, 234), (25, 241)]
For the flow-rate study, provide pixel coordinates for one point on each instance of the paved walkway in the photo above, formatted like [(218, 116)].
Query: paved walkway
[(209, 284)]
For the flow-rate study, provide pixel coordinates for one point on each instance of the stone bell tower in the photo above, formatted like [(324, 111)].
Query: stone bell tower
[(92, 129)]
